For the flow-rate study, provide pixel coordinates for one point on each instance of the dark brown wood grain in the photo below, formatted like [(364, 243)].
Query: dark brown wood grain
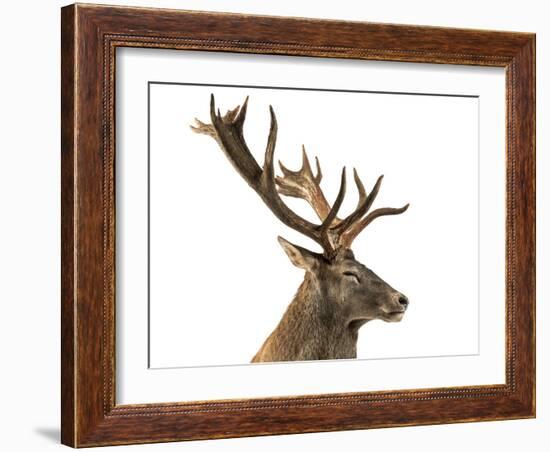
[(90, 35), (67, 226)]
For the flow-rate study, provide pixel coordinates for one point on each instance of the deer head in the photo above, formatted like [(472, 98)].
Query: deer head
[(350, 292), (355, 293)]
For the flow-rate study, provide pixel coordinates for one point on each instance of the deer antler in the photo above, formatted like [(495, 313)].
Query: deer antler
[(228, 133), (333, 233), (303, 184)]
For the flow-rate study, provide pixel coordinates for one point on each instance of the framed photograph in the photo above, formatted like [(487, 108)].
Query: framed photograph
[(281, 225)]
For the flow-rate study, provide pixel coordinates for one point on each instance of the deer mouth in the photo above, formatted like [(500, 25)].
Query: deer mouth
[(394, 316)]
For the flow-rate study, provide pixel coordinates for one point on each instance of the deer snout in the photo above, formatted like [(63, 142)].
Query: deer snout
[(403, 301), (399, 302), (395, 307)]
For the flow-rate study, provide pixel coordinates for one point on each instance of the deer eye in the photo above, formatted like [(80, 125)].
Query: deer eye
[(353, 275)]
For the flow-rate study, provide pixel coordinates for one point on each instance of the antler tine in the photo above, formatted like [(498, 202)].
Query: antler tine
[(337, 203), (305, 171), (239, 120), (360, 188), (205, 129), (306, 167), (349, 236), (268, 174), (228, 133), (327, 222), (363, 206), (304, 185), (319, 173)]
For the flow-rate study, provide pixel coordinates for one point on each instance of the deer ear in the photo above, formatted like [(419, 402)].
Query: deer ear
[(299, 256)]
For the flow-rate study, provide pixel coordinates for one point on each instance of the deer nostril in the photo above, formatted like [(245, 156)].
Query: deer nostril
[(403, 301)]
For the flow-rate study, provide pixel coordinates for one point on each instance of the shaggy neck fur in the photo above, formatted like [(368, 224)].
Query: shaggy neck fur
[(312, 328)]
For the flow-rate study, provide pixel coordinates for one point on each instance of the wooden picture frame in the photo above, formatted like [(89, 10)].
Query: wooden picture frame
[(90, 35)]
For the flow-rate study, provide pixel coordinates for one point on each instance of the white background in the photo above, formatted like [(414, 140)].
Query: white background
[(213, 307), (30, 226), (220, 283)]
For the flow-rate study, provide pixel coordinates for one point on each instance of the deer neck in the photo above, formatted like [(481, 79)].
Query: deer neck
[(312, 328)]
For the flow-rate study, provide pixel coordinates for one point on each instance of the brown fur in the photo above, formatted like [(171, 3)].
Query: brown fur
[(323, 319)]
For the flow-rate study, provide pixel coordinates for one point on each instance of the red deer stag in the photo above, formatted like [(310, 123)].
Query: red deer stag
[(338, 294)]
